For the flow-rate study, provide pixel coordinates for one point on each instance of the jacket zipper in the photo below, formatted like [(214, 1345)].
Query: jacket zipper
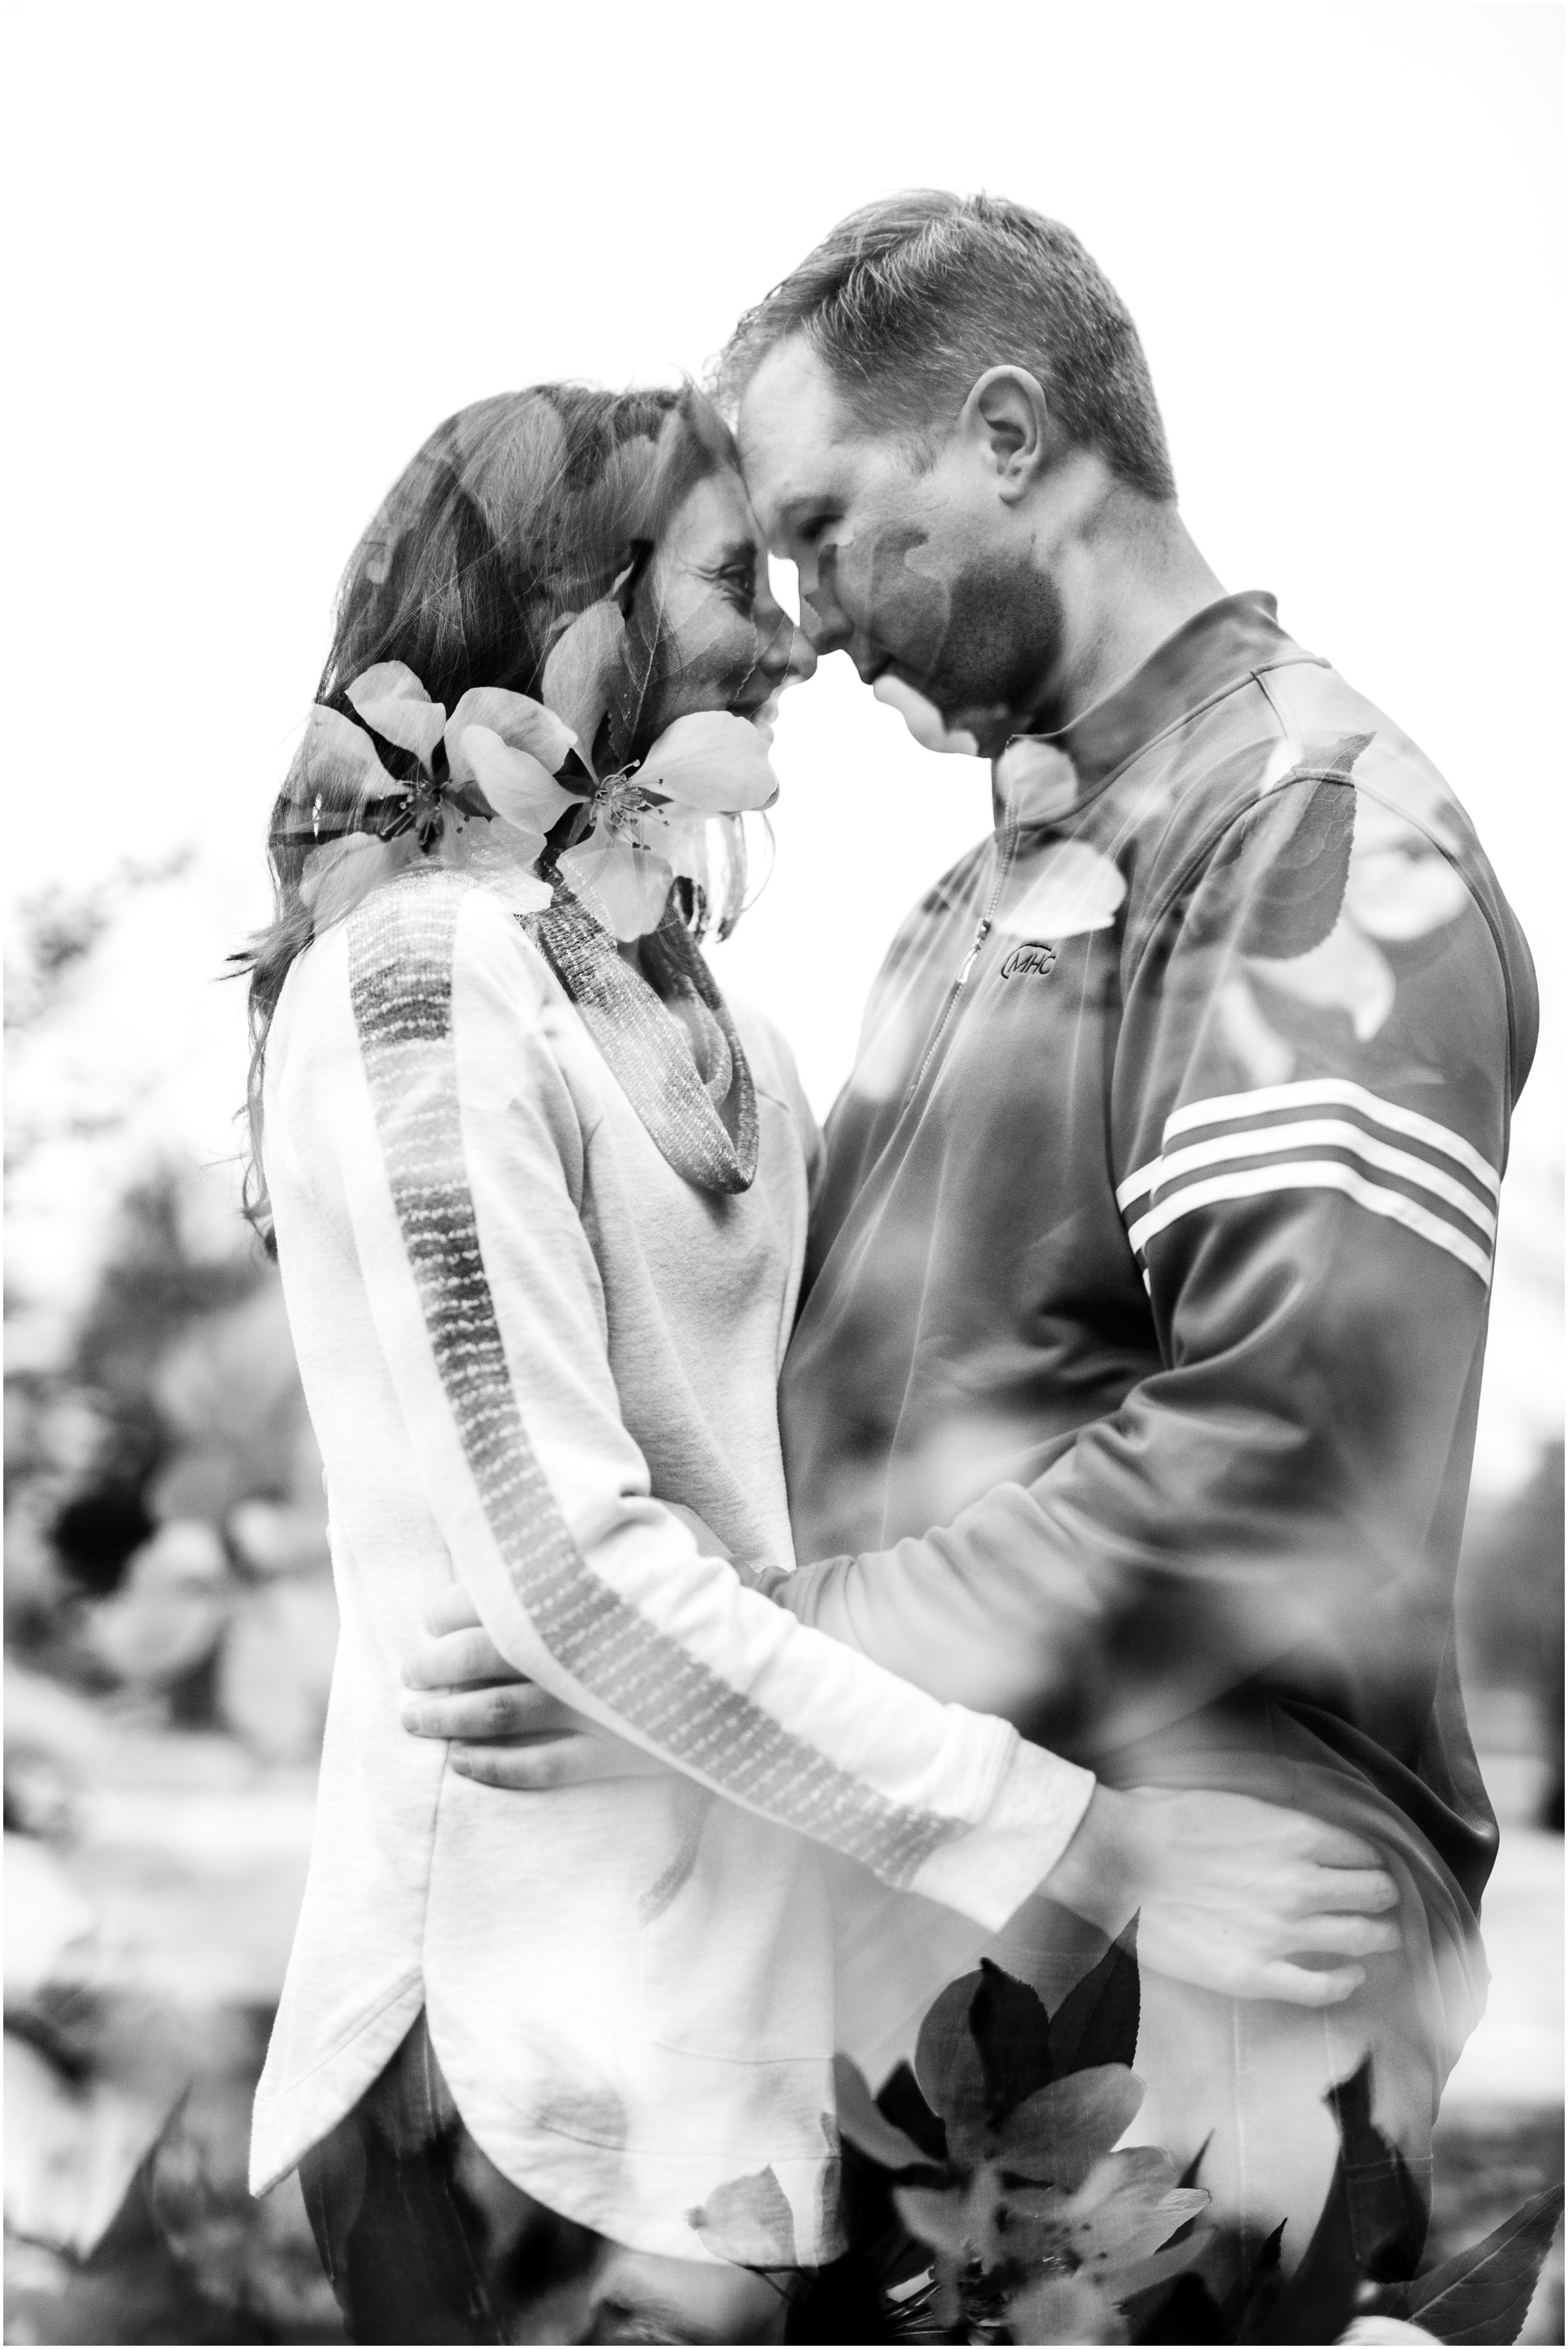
[(982, 931)]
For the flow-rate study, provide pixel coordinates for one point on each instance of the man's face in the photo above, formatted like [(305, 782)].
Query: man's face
[(924, 574)]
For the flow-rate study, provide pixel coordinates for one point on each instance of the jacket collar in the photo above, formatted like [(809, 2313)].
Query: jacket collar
[(1209, 656)]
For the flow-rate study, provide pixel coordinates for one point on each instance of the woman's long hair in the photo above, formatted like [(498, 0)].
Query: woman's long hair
[(516, 515)]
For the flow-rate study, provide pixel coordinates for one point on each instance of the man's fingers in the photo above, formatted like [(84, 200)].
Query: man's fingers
[(454, 1610), (529, 1769), (539, 1764), (1301, 1985), (518, 1710), (1344, 1936), (1366, 1889), (456, 1660), (1337, 1847)]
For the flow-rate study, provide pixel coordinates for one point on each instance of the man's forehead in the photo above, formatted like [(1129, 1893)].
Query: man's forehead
[(793, 428)]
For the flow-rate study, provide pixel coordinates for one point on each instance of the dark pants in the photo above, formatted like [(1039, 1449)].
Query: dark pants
[(424, 2240)]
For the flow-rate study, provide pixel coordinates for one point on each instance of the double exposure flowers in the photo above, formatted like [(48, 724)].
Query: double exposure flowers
[(517, 768)]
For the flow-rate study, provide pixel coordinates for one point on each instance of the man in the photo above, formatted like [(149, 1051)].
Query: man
[(1135, 1388)]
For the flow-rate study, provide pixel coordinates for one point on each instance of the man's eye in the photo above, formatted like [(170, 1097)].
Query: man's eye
[(809, 532)]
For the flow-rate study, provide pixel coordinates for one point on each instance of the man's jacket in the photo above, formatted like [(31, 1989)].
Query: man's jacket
[(1135, 1389)]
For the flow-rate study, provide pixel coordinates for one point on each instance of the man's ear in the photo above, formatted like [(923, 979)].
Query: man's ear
[(1007, 416)]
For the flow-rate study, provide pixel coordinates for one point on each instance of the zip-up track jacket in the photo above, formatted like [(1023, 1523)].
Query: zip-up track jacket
[(1134, 1393)]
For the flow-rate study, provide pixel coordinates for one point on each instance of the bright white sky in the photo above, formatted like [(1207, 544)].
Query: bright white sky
[(267, 249)]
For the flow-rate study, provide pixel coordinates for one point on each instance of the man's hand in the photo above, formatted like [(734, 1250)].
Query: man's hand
[(503, 1729), (1233, 1893)]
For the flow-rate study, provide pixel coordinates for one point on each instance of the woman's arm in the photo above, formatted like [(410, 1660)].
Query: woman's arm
[(1232, 1892), (453, 1142)]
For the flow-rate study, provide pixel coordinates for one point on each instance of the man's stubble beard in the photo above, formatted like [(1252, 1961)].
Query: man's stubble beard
[(1000, 651)]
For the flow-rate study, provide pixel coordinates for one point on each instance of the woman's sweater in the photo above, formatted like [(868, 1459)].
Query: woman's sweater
[(516, 1323)]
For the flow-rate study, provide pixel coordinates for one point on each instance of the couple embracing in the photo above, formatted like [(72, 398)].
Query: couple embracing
[(822, 1560)]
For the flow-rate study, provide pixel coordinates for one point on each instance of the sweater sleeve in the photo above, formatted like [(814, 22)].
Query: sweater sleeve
[(1313, 1074), (461, 1160)]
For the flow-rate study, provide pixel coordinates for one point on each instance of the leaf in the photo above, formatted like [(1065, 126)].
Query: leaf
[(1387, 2211), (1098, 2021), (1162, 2266), (1063, 2308), (947, 2067), (390, 698), (749, 2222), (1372, 2224), (522, 724), (1058, 2135), (711, 761), (1483, 2293), (1011, 2030), (900, 2101), (585, 665), (1292, 903), (866, 2128), (1188, 2313)]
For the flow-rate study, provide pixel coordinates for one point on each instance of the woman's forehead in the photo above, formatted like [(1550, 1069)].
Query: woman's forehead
[(715, 509)]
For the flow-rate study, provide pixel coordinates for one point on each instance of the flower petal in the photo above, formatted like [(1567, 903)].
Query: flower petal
[(525, 725), (1074, 888), (626, 887), (522, 791), (503, 860), (924, 719), (1346, 973), (585, 665), (714, 760), (390, 698), (338, 876), (1039, 781), (337, 760)]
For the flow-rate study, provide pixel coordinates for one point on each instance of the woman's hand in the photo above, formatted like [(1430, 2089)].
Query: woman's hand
[(503, 1730), (1233, 1893)]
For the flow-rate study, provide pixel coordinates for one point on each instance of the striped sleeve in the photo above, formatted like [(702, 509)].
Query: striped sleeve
[(457, 1165), (1322, 1134), (1325, 1018)]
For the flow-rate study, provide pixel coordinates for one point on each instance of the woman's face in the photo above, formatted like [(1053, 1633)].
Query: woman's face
[(719, 639)]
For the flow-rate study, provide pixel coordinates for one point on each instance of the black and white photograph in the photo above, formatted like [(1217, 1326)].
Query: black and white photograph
[(784, 1145)]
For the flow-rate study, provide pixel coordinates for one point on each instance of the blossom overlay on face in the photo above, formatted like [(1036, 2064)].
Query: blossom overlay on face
[(502, 792)]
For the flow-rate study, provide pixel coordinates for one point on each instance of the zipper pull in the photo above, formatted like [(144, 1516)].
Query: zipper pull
[(973, 955)]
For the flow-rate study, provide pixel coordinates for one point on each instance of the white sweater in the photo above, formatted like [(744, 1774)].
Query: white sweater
[(516, 1322)]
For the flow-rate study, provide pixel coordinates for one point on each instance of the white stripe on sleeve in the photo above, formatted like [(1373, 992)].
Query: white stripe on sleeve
[(1321, 1175)]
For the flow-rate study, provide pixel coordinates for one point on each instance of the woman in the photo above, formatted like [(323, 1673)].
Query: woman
[(539, 1200)]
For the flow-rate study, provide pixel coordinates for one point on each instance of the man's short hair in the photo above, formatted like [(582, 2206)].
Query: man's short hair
[(909, 301)]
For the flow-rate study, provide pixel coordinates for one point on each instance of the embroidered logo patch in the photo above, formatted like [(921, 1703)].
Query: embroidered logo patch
[(1035, 960)]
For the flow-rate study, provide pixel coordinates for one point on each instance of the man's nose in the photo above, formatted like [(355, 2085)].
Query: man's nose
[(802, 663), (823, 623)]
